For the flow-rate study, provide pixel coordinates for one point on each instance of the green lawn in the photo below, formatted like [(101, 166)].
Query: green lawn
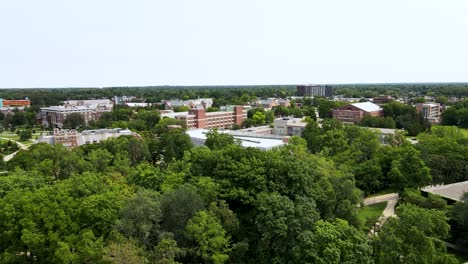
[(464, 131), (13, 136), (368, 215)]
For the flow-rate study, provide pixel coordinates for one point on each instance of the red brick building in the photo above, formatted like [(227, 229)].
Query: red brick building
[(353, 113), (199, 118)]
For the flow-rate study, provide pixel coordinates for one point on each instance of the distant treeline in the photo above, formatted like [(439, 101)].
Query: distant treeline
[(228, 94)]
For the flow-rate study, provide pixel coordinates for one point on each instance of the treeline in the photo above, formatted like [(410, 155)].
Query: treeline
[(223, 94), (228, 94), (402, 89)]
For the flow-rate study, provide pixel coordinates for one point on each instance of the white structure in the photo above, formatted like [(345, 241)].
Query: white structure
[(71, 138), (288, 126), (89, 109), (193, 103), (198, 137)]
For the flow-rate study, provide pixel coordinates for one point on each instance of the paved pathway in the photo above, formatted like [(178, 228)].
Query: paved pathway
[(381, 198), (21, 145), (389, 211)]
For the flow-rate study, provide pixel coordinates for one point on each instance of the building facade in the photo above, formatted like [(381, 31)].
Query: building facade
[(88, 109), (199, 118), (430, 111), (353, 113), (288, 126), (383, 99), (70, 138), (315, 90)]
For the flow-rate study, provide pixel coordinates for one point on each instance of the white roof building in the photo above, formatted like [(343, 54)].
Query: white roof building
[(198, 137), (367, 106)]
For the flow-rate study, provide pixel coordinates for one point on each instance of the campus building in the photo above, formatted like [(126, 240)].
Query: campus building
[(430, 111), (383, 99), (269, 103), (7, 106), (89, 109), (192, 103), (199, 118), (288, 126), (70, 138), (315, 90), (354, 113)]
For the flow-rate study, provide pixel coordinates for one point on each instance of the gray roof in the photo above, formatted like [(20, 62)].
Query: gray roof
[(367, 106), (452, 191)]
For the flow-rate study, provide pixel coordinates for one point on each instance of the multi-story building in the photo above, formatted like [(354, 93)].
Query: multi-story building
[(383, 99), (89, 109), (71, 138), (193, 103), (269, 103), (199, 118), (14, 103), (354, 113), (315, 90), (7, 106), (430, 111), (288, 126)]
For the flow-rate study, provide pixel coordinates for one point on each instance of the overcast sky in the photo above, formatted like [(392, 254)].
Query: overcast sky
[(67, 43)]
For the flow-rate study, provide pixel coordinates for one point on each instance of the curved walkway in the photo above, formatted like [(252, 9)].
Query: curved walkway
[(389, 211), (21, 145)]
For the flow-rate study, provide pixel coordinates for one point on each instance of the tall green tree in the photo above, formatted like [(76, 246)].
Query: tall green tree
[(414, 237)]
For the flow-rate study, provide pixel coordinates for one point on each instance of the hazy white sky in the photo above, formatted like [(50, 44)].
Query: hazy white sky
[(62, 43)]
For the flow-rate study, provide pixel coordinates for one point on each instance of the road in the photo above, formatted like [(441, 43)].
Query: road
[(21, 145)]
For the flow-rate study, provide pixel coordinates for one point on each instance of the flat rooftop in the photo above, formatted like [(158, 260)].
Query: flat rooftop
[(452, 191), (199, 136)]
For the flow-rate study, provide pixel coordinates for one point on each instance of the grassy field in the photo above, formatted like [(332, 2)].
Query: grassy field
[(368, 215), (464, 131), (14, 136)]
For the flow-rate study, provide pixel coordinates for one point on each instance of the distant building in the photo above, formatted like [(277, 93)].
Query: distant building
[(192, 103), (269, 103), (262, 142), (71, 138), (430, 111), (14, 103), (383, 99), (288, 126), (7, 106), (199, 118), (315, 90), (89, 109), (354, 113)]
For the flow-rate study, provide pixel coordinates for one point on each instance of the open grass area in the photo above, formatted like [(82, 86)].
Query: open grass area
[(464, 131), (368, 215), (9, 135)]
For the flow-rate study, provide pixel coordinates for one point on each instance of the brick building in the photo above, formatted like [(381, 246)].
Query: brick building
[(353, 113), (199, 118), (430, 111)]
